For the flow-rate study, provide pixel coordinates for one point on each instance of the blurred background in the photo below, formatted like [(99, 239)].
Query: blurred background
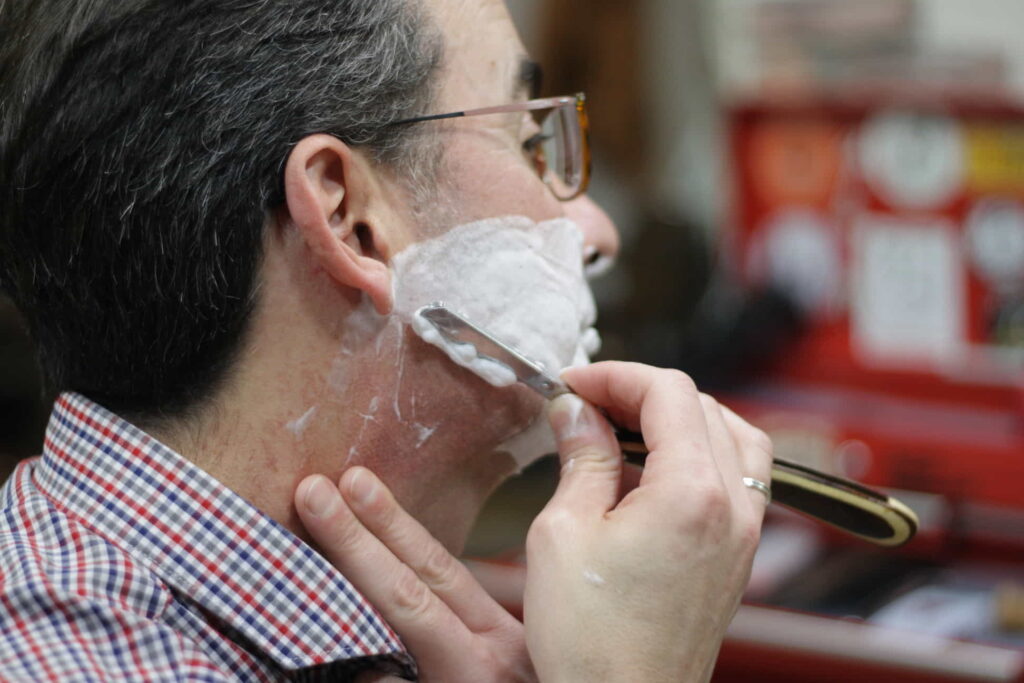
[(822, 211)]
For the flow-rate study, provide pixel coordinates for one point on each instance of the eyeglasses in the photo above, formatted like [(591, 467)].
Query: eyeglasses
[(560, 152)]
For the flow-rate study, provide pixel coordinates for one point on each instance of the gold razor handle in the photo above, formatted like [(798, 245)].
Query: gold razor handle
[(841, 503)]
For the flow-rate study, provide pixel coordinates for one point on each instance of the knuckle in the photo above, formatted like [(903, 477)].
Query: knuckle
[(439, 569), (706, 512), (712, 501), (392, 528), (760, 441), (398, 536), (550, 528), (409, 594), (680, 381), (709, 403), (592, 458)]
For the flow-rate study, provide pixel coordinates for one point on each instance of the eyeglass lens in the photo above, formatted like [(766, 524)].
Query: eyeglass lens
[(563, 150)]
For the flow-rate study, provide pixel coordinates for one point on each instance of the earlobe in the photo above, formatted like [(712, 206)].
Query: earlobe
[(329, 191), (374, 272)]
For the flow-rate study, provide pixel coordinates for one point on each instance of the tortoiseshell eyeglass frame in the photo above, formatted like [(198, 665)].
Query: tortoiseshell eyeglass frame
[(574, 145)]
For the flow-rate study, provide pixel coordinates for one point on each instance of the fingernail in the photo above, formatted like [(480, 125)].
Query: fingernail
[(362, 487), (321, 497), (569, 416)]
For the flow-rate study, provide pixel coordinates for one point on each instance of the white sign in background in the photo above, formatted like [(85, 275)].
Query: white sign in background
[(912, 160), (907, 291)]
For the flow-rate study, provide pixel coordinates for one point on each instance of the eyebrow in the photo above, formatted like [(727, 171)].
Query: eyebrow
[(529, 78)]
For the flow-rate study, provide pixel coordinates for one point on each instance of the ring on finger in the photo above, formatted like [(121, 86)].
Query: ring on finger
[(760, 486)]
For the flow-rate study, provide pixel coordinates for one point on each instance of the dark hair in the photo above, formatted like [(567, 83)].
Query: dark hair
[(141, 150)]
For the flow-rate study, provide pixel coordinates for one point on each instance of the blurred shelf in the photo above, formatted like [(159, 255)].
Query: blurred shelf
[(776, 645)]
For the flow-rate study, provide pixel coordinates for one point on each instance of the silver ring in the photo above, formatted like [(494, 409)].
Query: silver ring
[(758, 485)]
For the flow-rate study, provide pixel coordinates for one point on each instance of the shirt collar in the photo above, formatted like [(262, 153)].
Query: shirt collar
[(205, 541)]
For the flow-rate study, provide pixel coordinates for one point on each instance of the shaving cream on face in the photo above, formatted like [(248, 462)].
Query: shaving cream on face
[(521, 281), (496, 374)]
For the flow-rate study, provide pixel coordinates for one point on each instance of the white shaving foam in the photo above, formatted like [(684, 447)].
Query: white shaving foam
[(498, 374), (521, 281)]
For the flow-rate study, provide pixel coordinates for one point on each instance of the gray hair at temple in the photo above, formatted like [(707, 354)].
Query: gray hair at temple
[(141, 150)]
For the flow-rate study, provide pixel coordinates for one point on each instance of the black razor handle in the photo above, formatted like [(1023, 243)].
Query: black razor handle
[(841, 503)]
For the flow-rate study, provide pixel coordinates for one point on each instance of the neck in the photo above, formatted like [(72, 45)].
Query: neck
[(298, 407)]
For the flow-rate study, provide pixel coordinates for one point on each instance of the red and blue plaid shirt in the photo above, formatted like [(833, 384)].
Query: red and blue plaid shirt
[(121, 560)]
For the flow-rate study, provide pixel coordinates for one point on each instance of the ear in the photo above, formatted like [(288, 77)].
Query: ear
[(329, 191)]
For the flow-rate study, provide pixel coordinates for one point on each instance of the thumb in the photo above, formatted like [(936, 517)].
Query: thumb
[(590, 455)]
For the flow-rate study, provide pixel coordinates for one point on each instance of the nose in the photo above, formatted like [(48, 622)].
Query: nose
[(600, 237)]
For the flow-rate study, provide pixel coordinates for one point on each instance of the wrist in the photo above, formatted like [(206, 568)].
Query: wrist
[(624, 661)]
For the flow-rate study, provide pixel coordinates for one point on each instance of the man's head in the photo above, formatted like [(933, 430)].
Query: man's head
[(203, 205), (142, 152)]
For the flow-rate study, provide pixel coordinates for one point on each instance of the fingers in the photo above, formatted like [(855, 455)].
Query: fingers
[(414, 546), (755, 449), (590, 456), (724, 448), (685, 534), (664, 404), (687, 432), (428, 626)]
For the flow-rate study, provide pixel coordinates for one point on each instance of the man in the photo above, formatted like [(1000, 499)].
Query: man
[(204, 204)]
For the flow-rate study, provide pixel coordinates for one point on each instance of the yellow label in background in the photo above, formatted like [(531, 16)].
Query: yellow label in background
[(995, 158)]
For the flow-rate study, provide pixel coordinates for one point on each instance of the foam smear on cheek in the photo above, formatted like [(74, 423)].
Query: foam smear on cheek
[(382, 338), (299, 424), (520, 280)]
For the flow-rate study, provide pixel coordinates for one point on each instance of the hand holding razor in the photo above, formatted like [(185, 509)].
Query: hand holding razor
[(841, 503)]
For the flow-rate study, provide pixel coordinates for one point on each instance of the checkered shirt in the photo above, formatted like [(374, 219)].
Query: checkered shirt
[(122, 561)]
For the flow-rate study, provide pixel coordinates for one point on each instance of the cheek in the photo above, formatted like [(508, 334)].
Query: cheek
[(467, 416), (520, 280)]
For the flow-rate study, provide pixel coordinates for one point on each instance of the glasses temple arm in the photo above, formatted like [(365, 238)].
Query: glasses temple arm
[(545, 103)]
